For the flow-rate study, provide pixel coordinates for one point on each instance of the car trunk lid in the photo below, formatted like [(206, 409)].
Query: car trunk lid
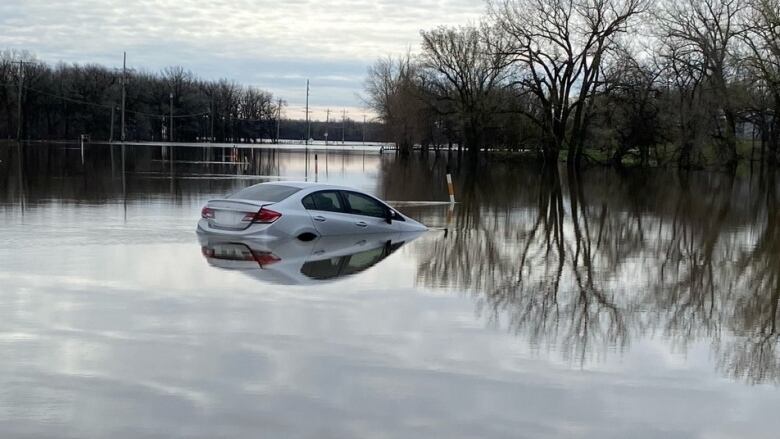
[(233, 214)]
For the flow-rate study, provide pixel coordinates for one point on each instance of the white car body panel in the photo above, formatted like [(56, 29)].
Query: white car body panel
[(334, 223)]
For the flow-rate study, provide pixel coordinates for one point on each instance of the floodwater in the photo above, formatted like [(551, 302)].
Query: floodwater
[(543, 305)]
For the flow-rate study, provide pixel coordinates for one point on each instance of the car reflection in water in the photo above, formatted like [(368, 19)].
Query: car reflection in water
[(292, 261)]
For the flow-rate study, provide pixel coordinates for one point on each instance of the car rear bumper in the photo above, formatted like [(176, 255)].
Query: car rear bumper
[(254, 231)]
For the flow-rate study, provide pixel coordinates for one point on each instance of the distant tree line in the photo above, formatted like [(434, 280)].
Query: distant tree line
[(348, 129), (684, 82), (64, 101)]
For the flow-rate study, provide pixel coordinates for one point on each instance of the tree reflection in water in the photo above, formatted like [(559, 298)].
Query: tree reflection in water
[(753, 318), (586, 263)]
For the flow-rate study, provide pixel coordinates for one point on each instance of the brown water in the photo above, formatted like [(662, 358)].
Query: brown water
[(641, 304)]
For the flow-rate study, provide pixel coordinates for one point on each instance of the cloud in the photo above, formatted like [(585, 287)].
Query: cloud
[(271, 44)]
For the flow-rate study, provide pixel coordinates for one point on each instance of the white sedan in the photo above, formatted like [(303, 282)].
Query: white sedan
[(301, 210)]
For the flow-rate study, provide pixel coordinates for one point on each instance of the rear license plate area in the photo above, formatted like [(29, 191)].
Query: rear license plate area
[(227, 218)]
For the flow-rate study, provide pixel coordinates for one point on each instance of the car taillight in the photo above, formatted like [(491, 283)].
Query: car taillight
[(207, 213), (264, 216), (265, 258)]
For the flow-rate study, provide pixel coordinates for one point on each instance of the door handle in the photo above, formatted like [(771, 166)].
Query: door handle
[(361, 224), (319, 218)]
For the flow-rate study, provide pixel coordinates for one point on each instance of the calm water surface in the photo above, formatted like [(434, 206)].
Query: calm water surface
[(597, 305)]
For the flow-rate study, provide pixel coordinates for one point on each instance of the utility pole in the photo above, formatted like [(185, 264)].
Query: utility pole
[(111, 140), (364, 129), (211, 119), (19, 107), (170, 125), (204, 127), (278, 118), (111, 130), (123, 134), (170, 122), (343, 125), (308, 126), (124, 94), (327, 124)]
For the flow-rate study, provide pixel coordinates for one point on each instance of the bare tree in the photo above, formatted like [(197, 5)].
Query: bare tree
[(683, 75), (467, 74), (631, 109), (394, 95), (762, 39), (559, 47), (708, 31)]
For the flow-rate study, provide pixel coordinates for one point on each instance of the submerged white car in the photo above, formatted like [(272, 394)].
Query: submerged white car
[(301, 210)]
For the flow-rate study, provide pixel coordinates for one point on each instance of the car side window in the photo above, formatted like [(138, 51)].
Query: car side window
[(360, 204), (328, 201), (308, 202)]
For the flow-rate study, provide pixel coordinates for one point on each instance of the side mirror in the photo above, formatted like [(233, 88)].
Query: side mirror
[(389, 214)]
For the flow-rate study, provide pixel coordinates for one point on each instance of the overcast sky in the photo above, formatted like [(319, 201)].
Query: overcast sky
[(275, 45)]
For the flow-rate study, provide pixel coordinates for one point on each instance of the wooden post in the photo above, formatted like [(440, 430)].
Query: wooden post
[(450, 187)]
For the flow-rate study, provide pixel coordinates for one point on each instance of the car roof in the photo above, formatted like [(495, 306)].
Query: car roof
[(312, 185)]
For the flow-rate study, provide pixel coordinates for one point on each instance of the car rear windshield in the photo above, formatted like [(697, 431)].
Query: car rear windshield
[(265, 192)]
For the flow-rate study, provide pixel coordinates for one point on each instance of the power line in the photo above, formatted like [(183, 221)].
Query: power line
[(136, 112), (79, 101), (65, 98)]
